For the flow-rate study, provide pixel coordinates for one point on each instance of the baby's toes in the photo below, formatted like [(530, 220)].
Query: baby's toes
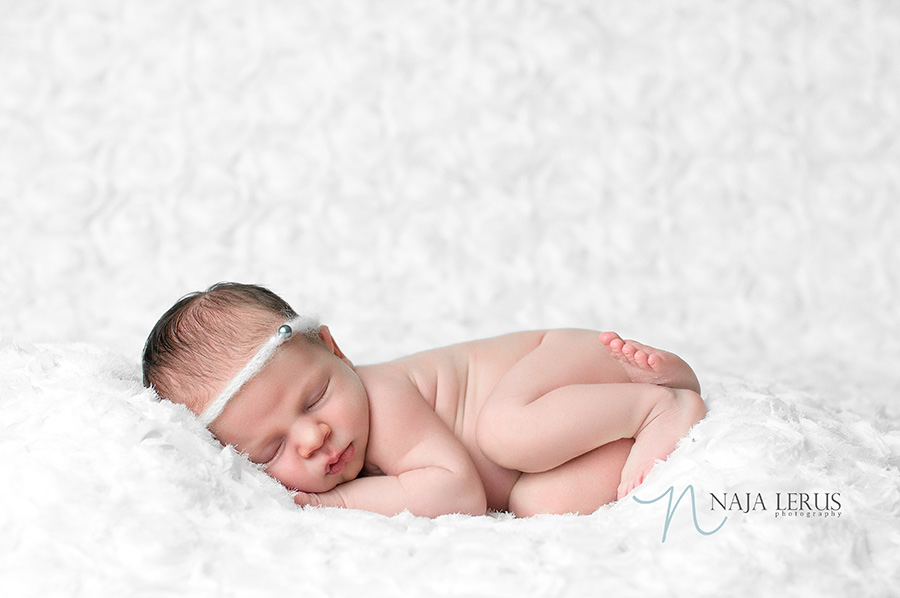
[(622, 492), (607, 337), (629, 484), (641, 358)]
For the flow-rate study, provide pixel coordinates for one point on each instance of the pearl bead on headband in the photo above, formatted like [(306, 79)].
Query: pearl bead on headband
[(253, 367)]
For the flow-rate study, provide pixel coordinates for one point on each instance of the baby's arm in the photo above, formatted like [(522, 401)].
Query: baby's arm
[(427, 470)]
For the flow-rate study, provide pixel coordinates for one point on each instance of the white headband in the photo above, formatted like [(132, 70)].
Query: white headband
[(253, 367)]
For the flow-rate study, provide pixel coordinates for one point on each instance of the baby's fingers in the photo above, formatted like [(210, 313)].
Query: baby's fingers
[(305, 498)]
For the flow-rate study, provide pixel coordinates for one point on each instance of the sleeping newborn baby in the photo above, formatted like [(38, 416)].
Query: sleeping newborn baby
[(553, 421)]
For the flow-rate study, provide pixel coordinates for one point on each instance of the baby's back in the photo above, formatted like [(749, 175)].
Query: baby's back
[(457, 381)]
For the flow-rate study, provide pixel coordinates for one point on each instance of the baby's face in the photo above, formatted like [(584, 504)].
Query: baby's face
[(305, 417)]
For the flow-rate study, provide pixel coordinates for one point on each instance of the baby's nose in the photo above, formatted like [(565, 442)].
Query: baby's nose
[(311, 438)]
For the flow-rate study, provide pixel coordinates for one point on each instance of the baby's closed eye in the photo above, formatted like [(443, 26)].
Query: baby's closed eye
[(271, 453), (319, 397)]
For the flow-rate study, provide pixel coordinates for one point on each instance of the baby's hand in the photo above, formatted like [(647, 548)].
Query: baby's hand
[(305, 498), (324, 499)]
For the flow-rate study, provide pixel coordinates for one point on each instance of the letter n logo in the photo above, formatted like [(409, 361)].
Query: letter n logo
[(671, 510)]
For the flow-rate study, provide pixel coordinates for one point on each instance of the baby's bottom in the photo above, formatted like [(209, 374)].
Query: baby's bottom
[(581, 485)]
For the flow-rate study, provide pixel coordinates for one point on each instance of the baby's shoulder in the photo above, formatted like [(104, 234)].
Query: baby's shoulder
[(385, 378), (397, 403), (419, 375)]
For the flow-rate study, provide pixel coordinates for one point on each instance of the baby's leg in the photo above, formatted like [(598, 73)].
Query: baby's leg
[(563, 400), (647, 364), (581, 485)]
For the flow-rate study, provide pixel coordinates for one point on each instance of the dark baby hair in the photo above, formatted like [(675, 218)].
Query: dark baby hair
[(186, 350)]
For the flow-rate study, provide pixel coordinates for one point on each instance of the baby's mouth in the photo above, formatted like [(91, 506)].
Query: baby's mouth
[(336, 465)]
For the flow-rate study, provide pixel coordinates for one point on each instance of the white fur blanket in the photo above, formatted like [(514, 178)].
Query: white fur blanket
[(107, 492)]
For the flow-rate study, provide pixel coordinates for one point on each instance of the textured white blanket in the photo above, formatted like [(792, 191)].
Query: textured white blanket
[(106, 491), (715, 178)]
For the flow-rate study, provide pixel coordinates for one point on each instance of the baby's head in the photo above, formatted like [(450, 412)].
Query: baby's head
[(274, 385), (207, 337)]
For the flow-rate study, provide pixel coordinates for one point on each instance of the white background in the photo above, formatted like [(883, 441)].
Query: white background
[(715, 177)]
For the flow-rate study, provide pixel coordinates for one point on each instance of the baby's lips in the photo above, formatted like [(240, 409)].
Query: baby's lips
[(336, 467)]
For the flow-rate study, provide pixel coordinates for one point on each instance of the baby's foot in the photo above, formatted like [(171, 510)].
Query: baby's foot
[(648, 365), (667, 423)]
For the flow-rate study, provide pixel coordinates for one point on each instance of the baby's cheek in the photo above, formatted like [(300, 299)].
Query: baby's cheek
[(288, 478)]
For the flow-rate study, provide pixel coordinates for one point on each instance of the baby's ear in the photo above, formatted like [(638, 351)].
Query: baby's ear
[(325, 335)]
